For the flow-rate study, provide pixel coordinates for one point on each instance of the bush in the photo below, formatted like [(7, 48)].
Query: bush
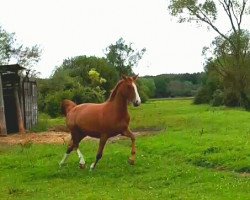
[(53, 102), (87, 95), (144, 97), (231, 99), (202, 96), (218, 98), (78, 95)]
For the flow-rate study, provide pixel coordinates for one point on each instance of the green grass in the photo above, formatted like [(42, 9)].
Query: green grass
[(45, 122), (201, 152)]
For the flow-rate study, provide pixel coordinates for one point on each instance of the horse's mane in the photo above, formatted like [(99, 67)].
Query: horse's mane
[(114, 91)]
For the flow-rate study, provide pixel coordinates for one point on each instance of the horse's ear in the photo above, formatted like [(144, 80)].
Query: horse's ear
[(135, 77), (124, 77)]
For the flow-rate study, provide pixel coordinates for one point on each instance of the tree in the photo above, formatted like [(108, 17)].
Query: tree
[(78, 68), (123, 57), (149, 86), (81, 79), (161, 82), (231, 49), (11, 51)]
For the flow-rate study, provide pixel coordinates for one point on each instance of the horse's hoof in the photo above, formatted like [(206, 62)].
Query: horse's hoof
[(131, 162), (82, 165)]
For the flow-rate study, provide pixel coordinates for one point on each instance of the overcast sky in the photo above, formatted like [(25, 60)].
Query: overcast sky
[(67, 28)]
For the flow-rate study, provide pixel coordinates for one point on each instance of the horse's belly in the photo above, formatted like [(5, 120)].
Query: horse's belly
[(93, 121), (92, 134)]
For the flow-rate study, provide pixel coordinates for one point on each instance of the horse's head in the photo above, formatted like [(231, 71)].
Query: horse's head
[(129, 90)]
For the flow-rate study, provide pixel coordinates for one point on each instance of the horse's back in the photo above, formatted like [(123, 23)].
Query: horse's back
[(86, 117)]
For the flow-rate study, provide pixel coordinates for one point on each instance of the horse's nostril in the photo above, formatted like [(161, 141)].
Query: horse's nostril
[(136, 103)]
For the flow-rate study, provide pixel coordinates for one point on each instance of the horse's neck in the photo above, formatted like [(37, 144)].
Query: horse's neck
[(120, 104)]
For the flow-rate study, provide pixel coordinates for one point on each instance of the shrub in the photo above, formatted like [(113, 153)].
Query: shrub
[(87, 95), (202, 96), (144, 97), (78, 95), (231, 99), (218, 98)]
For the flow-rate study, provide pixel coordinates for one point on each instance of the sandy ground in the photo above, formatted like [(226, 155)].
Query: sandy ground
[(52, 137)]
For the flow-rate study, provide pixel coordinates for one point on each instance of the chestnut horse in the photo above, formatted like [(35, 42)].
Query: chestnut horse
[(103, 120)]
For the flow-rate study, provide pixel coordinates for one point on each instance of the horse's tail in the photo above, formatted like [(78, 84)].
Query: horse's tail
[(66, 106)]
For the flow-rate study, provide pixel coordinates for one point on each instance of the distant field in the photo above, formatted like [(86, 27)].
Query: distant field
[(200, 152)]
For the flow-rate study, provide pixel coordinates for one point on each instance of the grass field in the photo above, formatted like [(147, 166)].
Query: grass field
[(200, 152)]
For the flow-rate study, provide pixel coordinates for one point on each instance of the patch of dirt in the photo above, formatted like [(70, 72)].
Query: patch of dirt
[(245, 174), (52, 137), (42, 138)]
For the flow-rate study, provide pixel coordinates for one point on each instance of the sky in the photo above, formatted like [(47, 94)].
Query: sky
[(69, 28)]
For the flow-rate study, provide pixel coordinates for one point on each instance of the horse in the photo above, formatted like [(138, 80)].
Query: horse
[(103, 120)]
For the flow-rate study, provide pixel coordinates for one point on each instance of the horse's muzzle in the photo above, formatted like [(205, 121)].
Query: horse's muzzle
[(136, 103)]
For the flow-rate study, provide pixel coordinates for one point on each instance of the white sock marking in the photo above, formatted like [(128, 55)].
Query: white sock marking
[(82, 161), (92, 166), (65, 157)]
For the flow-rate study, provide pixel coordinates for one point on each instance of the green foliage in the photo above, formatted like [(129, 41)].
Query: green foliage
[(210, 83), (146, 88), (123, 57), (218, 98), (180, 89), (95, 78), (226, 74), (177, 85), (78, 69), (45, 122), (202, 154), (231, 99), (148, 85), (193, 10), (10, 50), (78, 95), (230, 50), (143, 95), (81, 79), (202, 96)]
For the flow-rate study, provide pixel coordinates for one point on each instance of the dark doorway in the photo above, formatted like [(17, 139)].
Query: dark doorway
[(10, 111)]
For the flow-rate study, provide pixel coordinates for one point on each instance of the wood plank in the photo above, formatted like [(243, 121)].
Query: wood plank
[(19, 112), (3, 130)]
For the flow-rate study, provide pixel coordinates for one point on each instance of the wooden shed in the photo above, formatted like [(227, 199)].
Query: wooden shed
[(18, 100)]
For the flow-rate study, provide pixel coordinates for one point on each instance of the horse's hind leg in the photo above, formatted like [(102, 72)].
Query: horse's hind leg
[(102, 143), (66, 155), (82, 161), (129, 134), (76, 137)]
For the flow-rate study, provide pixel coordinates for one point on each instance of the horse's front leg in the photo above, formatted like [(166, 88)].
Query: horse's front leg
[(129, 134), (102, 143)]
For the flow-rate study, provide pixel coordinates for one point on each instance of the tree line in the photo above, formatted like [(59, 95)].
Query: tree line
[(225, 80), (91, 79), (87, 78)]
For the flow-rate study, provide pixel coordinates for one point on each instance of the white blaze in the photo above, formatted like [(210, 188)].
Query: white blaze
[(137, 97)]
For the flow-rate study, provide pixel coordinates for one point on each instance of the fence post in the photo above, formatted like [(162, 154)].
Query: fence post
[(19, 112), (3, 131)]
